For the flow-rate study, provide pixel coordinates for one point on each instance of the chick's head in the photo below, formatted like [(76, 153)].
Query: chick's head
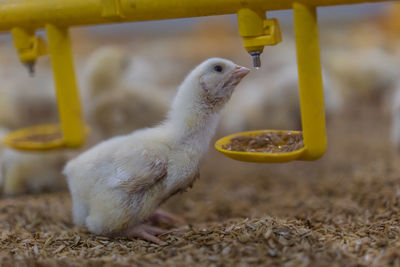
[(218, 78)]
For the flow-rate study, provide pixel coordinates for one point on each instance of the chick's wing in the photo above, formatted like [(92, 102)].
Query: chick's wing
[(137, 174)]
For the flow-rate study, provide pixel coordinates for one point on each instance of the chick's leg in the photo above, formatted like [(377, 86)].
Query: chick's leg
[(163, 217), (146, 232)]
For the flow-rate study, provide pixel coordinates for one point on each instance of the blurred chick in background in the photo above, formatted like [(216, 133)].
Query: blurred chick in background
[(104, 69), (366, 74), (32, 172), (115, 106)]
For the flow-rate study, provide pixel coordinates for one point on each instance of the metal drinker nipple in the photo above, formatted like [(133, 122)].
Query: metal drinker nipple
[(256, 58)]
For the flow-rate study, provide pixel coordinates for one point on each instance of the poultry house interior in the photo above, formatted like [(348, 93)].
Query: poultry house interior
[(342, 209)]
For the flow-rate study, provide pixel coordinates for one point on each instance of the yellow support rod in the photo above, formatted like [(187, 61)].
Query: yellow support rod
[(36, 14), (310, 81), (66, 88)]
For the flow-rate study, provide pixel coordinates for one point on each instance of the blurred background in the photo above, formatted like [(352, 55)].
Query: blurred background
[(128, 74), (342, 208)]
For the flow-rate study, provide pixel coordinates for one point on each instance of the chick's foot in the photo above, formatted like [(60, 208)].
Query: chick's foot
[(161, 217), (146, 232)]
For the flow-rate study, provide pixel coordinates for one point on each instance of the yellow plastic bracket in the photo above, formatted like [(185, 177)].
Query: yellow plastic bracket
[(256, 30), (28, 46), (311, 96)]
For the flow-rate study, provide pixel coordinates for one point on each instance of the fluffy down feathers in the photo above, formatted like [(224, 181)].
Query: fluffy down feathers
[(119, 183)]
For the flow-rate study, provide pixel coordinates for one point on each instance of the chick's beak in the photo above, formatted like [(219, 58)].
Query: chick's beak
[(239, 72)]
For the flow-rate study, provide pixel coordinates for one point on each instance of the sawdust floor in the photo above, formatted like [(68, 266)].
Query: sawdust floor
[(342, 210)]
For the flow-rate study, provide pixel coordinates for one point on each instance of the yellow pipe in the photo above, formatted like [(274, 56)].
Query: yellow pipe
[(66, 89), (310, 81), (36, 14)]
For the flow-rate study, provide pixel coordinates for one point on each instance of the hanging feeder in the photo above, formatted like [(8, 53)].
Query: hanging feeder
[(311, 98), (71, 131)]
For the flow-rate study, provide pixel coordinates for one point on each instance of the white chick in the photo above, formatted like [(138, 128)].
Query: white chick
[(104, 70), (32, 172), (124, 111), (272, 102), (117, 102), (118, 184)]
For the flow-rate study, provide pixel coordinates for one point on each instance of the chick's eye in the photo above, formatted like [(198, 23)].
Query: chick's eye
[(218, 68)]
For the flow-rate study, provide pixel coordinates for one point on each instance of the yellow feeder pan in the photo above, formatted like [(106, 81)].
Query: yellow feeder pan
[(311, 97), (41, 137), (258, 156), (35, 137)]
